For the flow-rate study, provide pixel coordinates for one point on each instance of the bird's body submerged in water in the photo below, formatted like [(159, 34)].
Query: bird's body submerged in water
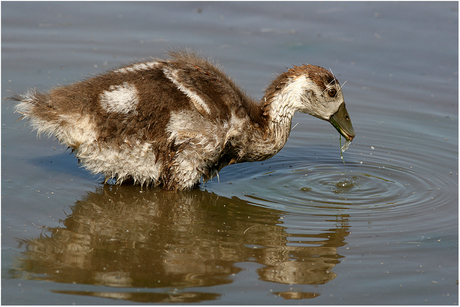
[(171, 123)]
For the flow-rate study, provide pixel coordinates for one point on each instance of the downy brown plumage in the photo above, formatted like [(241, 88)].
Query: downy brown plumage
[(171, 123)]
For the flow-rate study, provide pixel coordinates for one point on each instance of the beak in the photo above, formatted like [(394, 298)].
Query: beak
[(341, 121)]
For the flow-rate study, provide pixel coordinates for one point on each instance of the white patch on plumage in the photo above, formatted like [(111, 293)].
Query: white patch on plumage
[(197, 101), (204, 142), (137, 67), (76, 130), (120, 98)]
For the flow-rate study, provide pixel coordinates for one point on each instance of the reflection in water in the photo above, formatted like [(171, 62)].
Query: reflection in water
[(122, 236), (145, 297), (294, 295)]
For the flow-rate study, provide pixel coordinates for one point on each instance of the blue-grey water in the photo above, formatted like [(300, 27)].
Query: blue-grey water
[(274, 232)]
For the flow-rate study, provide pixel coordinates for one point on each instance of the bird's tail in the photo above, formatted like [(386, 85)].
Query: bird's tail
[(36, 108)]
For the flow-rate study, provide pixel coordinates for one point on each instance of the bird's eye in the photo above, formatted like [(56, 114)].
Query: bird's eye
[(332, 92)]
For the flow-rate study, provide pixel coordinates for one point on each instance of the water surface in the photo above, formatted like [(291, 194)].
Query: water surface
[(280, 231)]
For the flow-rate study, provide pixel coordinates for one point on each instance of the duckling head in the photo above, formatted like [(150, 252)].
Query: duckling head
[(321, 96)]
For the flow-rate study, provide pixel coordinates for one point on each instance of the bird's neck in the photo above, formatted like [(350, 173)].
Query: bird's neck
[(280, 102), (282, 99), (279, 122)]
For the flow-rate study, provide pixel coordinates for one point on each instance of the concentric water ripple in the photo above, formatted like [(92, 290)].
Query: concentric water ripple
[(395, 179)]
